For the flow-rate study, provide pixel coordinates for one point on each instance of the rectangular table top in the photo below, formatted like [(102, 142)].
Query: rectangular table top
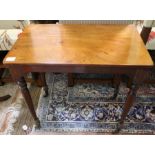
[(79, 45)]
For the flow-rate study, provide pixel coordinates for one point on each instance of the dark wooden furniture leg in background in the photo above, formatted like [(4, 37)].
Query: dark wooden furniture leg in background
[(5, 97), (70, 79), (145, 33), (116, 83), (3, 53), (43, 81), (1, 74), (35, 77), (2, 69)]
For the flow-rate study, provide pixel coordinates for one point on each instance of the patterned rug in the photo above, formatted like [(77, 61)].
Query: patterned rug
[(86, 108), (9, 109)]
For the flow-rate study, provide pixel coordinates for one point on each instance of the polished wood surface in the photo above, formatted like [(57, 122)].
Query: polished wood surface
[(80, 44), (114, 49)]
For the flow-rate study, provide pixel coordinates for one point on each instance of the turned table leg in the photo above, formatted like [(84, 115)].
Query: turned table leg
[(26, 94), (43, 80), (139, 77), (128, 104)]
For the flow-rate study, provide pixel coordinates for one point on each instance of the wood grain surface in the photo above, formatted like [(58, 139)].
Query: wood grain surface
[(80, 45)]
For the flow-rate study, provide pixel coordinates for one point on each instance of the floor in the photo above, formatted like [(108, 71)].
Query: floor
[(25, 117)]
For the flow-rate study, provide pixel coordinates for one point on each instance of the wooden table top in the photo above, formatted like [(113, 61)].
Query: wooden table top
[(79, 44)]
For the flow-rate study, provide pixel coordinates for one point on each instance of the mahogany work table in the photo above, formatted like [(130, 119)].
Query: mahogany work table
[(114, 49)]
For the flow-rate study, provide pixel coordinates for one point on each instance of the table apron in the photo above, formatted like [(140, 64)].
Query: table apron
[(79, 69)]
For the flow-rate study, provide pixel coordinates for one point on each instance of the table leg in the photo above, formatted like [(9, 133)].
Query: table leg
[(26, 94), (128, 104), (116, 83), (5, 97), (70, 79), (1, 74), (35, 77), (45, 87), (139, 77)]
